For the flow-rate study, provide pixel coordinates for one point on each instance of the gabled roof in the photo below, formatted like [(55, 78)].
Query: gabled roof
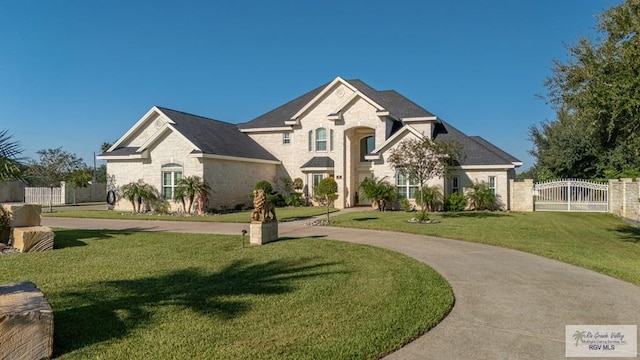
[(319, 162), (390, 100), (476, 150), (208, 136)]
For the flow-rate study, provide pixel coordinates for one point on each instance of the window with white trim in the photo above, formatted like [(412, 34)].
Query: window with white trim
[(286, 138), (310, 140), (492, 183), (407, 188), (321, 139), (171, 175), (331, 139), (455, 185)]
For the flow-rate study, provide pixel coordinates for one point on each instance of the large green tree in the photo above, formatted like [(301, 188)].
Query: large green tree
[(596, 94), (422, 160)]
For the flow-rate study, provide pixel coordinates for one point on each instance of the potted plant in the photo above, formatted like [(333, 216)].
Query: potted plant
[(5, 225)]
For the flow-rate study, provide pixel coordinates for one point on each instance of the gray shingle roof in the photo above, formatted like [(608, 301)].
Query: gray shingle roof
[(216, 137), (476, 150), (318, 162), (277, 116), (391, 100), (123, 151)]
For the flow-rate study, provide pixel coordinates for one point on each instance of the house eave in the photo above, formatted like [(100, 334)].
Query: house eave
[(420, 119), (143, 155), (316, 169)]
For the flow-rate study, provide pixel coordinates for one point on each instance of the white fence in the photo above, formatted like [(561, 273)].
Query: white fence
[(571, 195), (43, 195)]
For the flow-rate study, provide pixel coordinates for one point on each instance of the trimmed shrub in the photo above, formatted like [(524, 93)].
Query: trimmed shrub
[(455, 202)]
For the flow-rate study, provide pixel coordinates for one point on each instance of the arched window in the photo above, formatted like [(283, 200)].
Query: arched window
[(171, 174), (367, 145), (321, 139)]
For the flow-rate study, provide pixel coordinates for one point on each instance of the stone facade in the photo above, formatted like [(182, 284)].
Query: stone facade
[(521, 195), (232, 181), (624, 199)]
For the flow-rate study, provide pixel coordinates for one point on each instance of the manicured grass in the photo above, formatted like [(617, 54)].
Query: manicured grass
[(120, 295), (599, 242), (283, 214)]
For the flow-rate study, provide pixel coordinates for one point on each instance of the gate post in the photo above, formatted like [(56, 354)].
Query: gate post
[(569, 195)]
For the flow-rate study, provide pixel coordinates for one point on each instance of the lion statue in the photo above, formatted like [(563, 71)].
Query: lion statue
[(262, 208)]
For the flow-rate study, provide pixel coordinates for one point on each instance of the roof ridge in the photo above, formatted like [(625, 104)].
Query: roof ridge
[(194, 115)]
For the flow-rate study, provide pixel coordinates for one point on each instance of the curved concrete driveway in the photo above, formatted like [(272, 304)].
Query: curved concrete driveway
[(509, 304)]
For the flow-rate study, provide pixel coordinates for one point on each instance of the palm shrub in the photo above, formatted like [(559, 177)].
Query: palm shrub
[(379, 191), (481, 196), (130, 192), (430, 197), (138, 193), (5, 224), (190, 189), (455, 202)]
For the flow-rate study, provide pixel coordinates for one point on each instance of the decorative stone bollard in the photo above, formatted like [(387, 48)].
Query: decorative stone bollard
[(26, 322), (263, 232)]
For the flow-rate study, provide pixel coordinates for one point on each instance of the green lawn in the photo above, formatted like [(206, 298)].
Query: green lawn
[(283, 214), (142, 295), (599, 242)]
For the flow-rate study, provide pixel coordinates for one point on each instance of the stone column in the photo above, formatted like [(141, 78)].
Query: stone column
[(263, 232)]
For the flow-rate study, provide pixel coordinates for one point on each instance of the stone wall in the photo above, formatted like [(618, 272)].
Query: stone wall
[(11, 191), (521, 195), (92, 193), (624, 199)]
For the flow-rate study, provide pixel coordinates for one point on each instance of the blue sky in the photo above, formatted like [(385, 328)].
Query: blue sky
[(74, 74)]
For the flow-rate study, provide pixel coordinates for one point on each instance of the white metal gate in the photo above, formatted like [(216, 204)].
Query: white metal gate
[(42, 195), (571, 195)]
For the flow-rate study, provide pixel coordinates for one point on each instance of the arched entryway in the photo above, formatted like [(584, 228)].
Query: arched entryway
[(359, 141)]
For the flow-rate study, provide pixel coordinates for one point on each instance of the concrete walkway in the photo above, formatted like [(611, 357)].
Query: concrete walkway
[(509, 304)]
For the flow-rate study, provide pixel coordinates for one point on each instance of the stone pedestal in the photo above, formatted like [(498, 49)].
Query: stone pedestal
[(26, 322), (32, 238), (263, 232)]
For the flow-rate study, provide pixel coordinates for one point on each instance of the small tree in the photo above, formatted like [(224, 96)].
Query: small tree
[(325, 193), (379, 191), (422, 159), (77, 179), (54, 166)]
